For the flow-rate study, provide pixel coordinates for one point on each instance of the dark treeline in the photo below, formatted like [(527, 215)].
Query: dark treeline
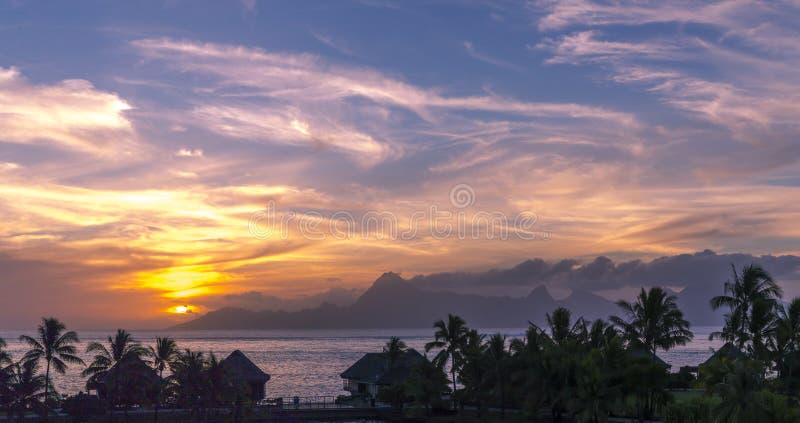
[(588, 371), (123, 372), (570, 370)]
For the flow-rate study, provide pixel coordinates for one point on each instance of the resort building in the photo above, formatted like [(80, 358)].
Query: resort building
[(372, 371), (130, 375), (643, 354), (242, 370)]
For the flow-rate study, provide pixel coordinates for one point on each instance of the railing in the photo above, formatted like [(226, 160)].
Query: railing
[(306, 403)]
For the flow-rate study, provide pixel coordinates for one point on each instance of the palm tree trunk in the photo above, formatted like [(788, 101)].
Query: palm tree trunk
[(46, 391), (453, 372), (158, 398)]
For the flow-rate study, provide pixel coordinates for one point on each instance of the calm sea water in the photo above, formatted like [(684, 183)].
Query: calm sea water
[(308, 362)]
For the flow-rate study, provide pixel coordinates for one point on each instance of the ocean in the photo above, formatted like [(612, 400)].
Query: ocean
[(308, 362)]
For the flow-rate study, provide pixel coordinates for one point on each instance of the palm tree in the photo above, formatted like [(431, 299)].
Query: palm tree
[(165, 351), (6, 370), (738, 392), (5, 357), (425, 383), (26, 386), (786, 336), (55, 347), (561, 327), (497, 356), (751, 290), (451, 338), (189, 379), (653, 321), (393, 350), (122, 346), (600, 334)]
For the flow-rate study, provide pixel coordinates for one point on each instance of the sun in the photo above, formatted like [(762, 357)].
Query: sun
[(181, 309)]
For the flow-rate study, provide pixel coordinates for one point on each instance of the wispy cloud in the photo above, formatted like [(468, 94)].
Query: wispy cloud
[(475, 54), (336, 45), (585, 46)]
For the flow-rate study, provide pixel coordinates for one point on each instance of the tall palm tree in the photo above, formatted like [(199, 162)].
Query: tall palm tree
[(164, 352), (54, 346), (497, 356), (450, 337), (393, 350), (653, 321), (786, 336), (752, 289), (189, 379), (120, 347), (561, 327)]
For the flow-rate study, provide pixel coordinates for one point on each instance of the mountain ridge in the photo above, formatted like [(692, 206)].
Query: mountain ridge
[(394, 302)]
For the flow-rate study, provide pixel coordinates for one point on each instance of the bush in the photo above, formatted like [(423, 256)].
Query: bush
[(696, 410)]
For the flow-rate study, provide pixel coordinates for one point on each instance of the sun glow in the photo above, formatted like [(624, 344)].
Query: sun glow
[(181, 309), (183, 282)]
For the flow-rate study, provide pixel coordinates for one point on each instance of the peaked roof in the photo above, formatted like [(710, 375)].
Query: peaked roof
[(374, 368), (643, 353), (728, 351), (131, 365), (242, 368)]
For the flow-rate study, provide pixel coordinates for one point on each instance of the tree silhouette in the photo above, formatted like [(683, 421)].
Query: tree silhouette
[(189, 380), (55, 347), (653, 321), (450, 337), (164, 352), (27, 388), (393, 350), (750, 297), (120, 347), (426, 383)]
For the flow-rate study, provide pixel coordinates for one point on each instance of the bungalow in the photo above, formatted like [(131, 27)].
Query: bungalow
[(372, 371), (728, 351), (242, 370), (131, 378), (641, 354)]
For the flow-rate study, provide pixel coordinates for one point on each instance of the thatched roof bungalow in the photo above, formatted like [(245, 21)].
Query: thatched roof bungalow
[(641, 353), (242, 370), (130, 378), (728, 351), (372, 371)]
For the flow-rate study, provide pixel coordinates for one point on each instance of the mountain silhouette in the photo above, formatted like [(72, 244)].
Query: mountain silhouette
[(394, 302)]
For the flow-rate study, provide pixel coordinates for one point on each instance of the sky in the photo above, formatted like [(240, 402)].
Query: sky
[(162, 156)]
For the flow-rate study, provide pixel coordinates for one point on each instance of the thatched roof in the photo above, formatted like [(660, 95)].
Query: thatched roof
[(728, 351), (374, 368), (638, 353), (130, 367), (240, 367)]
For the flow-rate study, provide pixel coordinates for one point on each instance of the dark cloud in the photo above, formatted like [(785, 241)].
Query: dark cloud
[(602, 273)]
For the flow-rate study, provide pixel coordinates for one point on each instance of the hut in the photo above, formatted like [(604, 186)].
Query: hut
[(242, 370), (641, 353), (728, 351), (372, 371), (129, 381)]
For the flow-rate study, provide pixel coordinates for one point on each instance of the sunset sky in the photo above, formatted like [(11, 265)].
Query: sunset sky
[(141, 141)]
